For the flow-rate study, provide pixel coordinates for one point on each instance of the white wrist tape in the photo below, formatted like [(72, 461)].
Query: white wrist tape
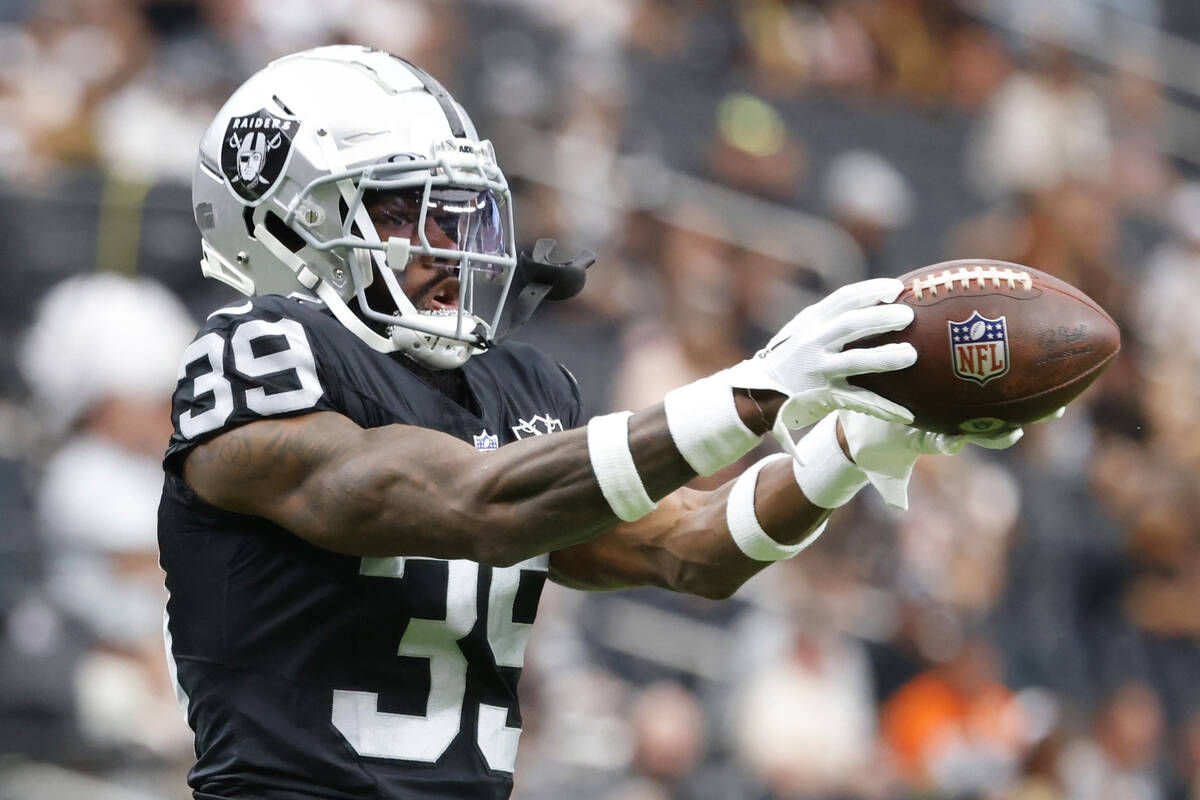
[(822, 471), (612, 464), (743, 522), (705, 425)]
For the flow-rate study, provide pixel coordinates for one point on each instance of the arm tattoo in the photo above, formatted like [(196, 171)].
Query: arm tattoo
[(267, 458), (234, 451)]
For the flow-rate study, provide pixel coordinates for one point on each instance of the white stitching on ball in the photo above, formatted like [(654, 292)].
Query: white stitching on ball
[(946, 279)]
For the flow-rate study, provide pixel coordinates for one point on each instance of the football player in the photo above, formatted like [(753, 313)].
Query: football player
[(366, 488)]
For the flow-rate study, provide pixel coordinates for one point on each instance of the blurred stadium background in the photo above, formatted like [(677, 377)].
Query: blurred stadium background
[(1027, 631)]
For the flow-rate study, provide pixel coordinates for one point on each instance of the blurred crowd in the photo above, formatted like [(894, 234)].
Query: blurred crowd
[(1028, 630)]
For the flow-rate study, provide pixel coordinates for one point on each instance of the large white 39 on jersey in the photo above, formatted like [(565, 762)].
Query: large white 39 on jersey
[(426, 738)]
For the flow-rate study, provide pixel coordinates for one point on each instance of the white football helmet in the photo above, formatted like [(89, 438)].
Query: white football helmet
[(279, 187)]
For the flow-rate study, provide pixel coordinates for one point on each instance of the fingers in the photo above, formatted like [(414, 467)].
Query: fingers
[(884, 358), (945, 444), (863, 322), (866, 402), (863, 296), (802, 409), (805, 408), (999, 441), (858, 295)]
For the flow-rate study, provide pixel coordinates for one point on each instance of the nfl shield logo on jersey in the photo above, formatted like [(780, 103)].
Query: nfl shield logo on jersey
[(979, 348), (486, 441), (255, 152)]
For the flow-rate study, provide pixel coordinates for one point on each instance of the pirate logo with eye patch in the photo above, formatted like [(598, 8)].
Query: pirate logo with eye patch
[(255, 153)]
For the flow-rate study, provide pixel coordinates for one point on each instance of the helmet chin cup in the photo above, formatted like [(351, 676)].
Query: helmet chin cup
[(431, 350)]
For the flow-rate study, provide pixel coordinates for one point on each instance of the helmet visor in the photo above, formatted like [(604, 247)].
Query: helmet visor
[(463, 220), (461, 248)]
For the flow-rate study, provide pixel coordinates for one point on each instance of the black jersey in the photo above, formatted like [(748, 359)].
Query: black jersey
[(309, 674)]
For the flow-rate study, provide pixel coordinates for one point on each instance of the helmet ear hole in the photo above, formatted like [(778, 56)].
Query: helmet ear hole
[(279, 229)]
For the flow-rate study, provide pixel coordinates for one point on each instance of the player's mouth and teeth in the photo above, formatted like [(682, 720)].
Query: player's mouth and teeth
[(444, 295), (441, 297)]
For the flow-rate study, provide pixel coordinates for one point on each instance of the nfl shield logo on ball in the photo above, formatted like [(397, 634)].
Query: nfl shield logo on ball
[(979, 348)]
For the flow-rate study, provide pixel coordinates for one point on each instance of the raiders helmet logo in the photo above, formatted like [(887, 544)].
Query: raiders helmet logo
[(255, 152)]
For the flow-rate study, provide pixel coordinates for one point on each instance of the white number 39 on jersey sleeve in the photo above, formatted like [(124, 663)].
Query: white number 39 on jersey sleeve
[(291, 364)]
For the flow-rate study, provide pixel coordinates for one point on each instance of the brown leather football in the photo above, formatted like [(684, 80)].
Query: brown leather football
[(998, 345)]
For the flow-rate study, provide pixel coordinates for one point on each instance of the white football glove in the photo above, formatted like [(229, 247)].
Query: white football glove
[(805, 360), (887, 451)]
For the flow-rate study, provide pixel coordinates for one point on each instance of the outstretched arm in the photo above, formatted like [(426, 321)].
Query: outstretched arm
[(401, 489), (404, 490)]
